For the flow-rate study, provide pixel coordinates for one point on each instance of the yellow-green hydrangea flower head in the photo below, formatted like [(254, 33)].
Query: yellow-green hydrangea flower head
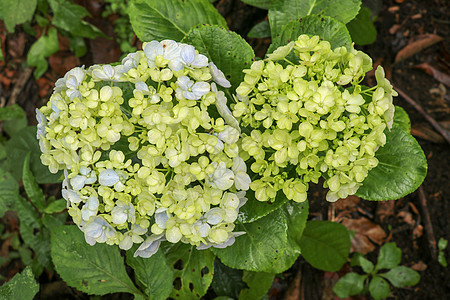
[(149, 149), (307, 116)]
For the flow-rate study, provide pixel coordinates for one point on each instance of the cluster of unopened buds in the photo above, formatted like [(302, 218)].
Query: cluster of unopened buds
[(149, 150), (308, 117)]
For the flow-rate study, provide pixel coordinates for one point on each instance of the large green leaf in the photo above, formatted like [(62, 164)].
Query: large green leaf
[(228, 50), (69, 16), (170, 19), (361, 28), (296, 215), (401, 118), (282, 12), (264, 4), (401, 169), (193, 270), (258, 285), (326, 28), (153, 274), (349, 285), (45, 46), (325, 245), (254, 209), (227, 281), (22, 286), (32, 189), (9, 191), (263, 243), (97, 269), (11, 112), (32, 231), (17, 149), (402, 276), (15, 12)]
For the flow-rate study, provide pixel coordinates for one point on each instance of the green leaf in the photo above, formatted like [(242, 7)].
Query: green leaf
[(22, 286), (228, 50), (45, 46), (53, 220), (17, 149), (263, 243), (254, 209), (32, 232), (69, 16), (12, 127), (97, 269), (260, 30), (282, 12), (401, 169), (2, 151), (325, 245), (264, 4), (78, 46), (361, 28), (9, 194), (153, 274), (379, 288), (227, 281), (55, 206), (441, 259), (358, 259), (11, 112), (258, 284), (296, 215), (389, 257), (349, 285), (17, 12), (326, 28), (401, 118), (193, 270), (402, 276), (32, 189), (442, 244), (170, 19)]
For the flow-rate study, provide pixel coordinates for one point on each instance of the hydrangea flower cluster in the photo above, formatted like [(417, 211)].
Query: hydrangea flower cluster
[(308, 116), (148, 148)]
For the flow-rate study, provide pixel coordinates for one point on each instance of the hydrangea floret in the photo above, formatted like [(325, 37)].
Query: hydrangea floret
[(149, 150), (306, 116)]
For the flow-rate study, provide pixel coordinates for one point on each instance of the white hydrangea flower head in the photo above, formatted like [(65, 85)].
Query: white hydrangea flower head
[(150, 150), (318, 120)]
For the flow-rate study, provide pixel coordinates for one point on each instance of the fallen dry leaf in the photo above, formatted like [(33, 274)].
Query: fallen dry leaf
[(62, 62), (45, 87), (420, 266), (385, 209), (407, 217), (393, 9), (424, 41), (418, 231), (394, 28), (16, 45), (433, 71), (365, 232)]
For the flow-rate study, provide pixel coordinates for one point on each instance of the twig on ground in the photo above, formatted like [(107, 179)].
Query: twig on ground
[(427, 116), (427, 223), (293, 292), (21, 81)]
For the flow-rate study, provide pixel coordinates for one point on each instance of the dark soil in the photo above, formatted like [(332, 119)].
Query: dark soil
[(398, 23)]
